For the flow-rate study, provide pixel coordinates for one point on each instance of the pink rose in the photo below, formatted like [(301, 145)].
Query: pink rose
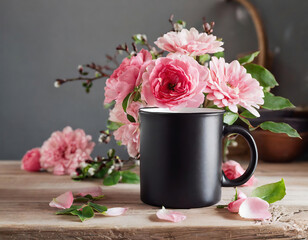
[(128, 75), (64, 151), (31, 160), (129, 133), (175, 81), (230, 85), (233, 170), (189, 42)]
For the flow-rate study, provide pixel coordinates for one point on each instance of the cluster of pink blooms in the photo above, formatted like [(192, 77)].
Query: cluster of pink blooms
[(61, 154), (178, 81)]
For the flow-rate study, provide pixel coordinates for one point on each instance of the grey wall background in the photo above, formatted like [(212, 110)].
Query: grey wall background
[(41, 40)]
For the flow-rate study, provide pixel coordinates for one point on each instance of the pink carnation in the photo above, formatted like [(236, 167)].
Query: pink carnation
[(233, 170), (175, 81), (128, 75), (230, 85), (189, 42), (64, 151), (31, 160), (129, 133)]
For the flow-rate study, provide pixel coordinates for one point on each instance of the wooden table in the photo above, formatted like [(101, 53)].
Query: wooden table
[(25, 214)]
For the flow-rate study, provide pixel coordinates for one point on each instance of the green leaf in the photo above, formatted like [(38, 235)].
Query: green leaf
[(112, 179), (101, 173), (236, 194), (181, 22), (68, 210), (137, 96), (275, 102), (230, 117), (204, 58), (109, 105), (270, 192), (265, 77), (221, 206), (86, 213), (114, 125), (119, 143), (247, 114), (249, 58), (111, 153), (219, 54), (251, 128), (126, 100), (130, 177), (130, 118), (97, 207), (279, 127)]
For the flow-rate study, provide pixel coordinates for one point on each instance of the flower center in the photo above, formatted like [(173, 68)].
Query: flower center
[(171, 86)]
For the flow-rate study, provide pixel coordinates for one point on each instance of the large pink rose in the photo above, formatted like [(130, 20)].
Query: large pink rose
[(230, 85), (233, 170), (64, 151), (31, 160), (189, 42), (175, 81), (129, 133), (128, 75)]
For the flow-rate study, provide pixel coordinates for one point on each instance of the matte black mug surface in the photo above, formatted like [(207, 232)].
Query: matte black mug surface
[(181, 157)]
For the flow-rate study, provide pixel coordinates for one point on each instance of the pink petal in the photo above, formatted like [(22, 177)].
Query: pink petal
[(171, 216), (113, 212), (93, 191), (241, 195), (235, 205), (254, 208), (63, 201)]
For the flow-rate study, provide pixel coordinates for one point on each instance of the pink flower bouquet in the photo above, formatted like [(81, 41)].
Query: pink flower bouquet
[(185, 69)]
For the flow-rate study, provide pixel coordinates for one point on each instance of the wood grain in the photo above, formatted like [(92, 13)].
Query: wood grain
[(25, 214)]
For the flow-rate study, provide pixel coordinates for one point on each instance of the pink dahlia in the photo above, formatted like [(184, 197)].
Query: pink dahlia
[(64, 151), (129, 133), (230, 85), (189, 42), (128, 75), (175, 81)]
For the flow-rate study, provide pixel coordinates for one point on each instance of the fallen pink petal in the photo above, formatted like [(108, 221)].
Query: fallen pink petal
[(170, 216), (255, 208), (241, 195), (235, 205), (114, 212), (93, 191), (63, 201)]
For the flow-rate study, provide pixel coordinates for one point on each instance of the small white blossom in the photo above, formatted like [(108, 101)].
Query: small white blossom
[(57, 84), (83, 165), (73, 174), (80, 68), (91, 171), (178, 27), (110, 169)]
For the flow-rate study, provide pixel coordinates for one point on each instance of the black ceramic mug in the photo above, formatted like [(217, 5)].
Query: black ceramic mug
[(181, 157)]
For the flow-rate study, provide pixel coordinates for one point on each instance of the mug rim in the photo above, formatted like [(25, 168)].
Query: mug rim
[(158, 110)]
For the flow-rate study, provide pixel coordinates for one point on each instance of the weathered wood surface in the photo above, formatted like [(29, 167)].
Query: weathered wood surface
[(25, 214)]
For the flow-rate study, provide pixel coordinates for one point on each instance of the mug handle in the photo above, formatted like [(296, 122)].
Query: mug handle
[(253, 159)]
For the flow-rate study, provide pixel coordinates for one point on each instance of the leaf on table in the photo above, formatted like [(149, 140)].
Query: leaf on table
[(271, 192)]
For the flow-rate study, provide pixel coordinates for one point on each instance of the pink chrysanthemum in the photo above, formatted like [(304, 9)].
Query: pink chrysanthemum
[(64, 151), (189, 42), (128, 75), (230, 85)]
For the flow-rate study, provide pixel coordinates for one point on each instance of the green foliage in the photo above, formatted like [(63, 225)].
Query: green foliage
[(249, 58), (278, 127), (219, 54), (97, 207), (130, 177), (204, 58), (265, 78), (270, 192), (109, 105), (230, 117), (113, 125), (247, 114), (275, 102), (112, 179), (127, 100)]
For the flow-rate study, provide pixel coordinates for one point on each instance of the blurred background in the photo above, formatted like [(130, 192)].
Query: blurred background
[(42, 40)]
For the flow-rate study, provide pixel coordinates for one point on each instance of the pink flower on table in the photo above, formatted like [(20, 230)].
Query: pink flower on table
[(126, 77), (31, 160), (233, 170), (189, 42), (171, 216), (230, 85), (93, 191), (129, 133), (64, 151), (235, 205), (114, 212), (63, 201), (254, 208), (175, 81)]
